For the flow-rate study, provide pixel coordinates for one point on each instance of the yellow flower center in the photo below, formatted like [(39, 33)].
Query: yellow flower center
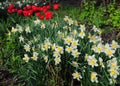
[(109, 53), (81, 33), (76, 75), (93, 76), (99, 49), (112, 72)]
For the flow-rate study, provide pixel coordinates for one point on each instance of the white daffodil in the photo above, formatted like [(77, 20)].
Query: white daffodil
[(68, 40), (112, 81), (42, 26), (57, 60), (75, 53), (98, 48), (46, 47), (13, 30), (94, 28), (68, 49), (76, 23), (53, 46), (21, 39), (113, 64), (20, 29), (81, 34), (108, 50), (94, 77), (35, 56), (74, 43), (45, 58), (37, 21), (82, 28), (74, 64), (26, 58), (27, 29), (65, 27), (101, 62), (66, 18), (114, 45), (27, 47), (74, 33), (92, 61), (77, 76), (113, 73), (56, 54), (70, 22), (59, 49), (95, 39), (86, 57)]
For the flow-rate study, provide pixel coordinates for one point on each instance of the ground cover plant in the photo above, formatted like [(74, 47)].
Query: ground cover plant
[(60, 52)]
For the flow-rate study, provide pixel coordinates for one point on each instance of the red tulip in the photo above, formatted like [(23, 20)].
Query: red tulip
[(11, 6), (9, 11), (48, 15), (56, 6), (34, 8), (37, 14), (24, 8), (40, 8), (48, 7), (19, 11), (30, 12), (28, 7), (41, 17), (25, 13)]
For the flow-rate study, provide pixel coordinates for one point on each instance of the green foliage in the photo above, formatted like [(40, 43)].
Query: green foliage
[(114, 16), (92, 15)]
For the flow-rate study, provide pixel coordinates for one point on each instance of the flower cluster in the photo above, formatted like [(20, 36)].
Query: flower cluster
[(43, 12), (74, 46)]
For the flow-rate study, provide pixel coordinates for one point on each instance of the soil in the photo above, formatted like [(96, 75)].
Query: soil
[(6, 79)]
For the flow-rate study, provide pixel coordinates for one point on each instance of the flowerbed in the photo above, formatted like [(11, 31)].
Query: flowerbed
[(66, 51), (29, 9)]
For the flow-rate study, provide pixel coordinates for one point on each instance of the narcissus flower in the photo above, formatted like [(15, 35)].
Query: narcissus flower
[(27, 29), (35, 56), (67, 40), (26, 58), (68, 49), (74, 64), (57, 60), (27, 47), (113, 73), (77, 76), (114, 45), (94, 77), (75, 53), (92, 61), (45, 58), (21, 39)]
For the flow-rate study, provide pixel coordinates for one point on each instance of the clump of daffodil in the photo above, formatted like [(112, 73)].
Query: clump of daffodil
[(113, 68), (67, 48)]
